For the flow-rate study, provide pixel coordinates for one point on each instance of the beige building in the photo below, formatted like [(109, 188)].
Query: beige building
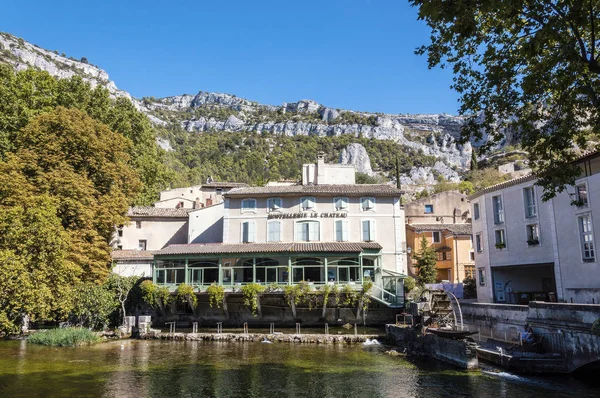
[(196, 196), (326, 230), (150, 229), (444, 219)]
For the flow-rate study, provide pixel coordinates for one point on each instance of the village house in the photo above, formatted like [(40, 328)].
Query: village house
[(327, 229), (527, 249), (444, 219)]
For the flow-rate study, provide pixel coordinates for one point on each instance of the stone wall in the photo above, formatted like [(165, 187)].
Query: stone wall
[(274, 309)]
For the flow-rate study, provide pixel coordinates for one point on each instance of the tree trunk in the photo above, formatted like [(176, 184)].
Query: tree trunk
[(360, 305), (324, 307), (258, 307)]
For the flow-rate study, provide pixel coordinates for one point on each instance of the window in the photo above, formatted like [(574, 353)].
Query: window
[(368, 230), (307, 203), (436, 237), (498, 209), (274, 204), (219, 191), (248, 232), (443, 256), (120, 231), (533, 235), (476, 211), (248, 205), (581, 195), (274, 231), (500, 239), (479, 243), (367, 204), (142, 244), (340, 204), (530, 205), (120, 247), (138, 224), (307, 231), (587, 237), (428, 209), (481, 276), (471, 256), (341, 230)]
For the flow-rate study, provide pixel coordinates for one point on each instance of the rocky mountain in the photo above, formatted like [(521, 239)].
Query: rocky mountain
[(432, 134)]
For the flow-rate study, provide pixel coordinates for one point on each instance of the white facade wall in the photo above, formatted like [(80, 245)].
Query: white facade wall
[(576, 280), (388, 216), (206, 224), (157, 232)]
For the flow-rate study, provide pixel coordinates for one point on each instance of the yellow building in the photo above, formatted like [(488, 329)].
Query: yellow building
[(452, 244), (445, 221)]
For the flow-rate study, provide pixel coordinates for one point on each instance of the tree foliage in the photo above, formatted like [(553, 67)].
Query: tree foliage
[(81, 167), (528, 67), (424, 261)]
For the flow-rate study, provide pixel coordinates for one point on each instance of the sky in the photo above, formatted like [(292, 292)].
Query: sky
[(349, 54)]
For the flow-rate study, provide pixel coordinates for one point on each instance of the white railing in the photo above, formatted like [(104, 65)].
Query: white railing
[(383, 295)]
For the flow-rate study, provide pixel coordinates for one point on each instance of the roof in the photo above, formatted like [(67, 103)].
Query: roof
[(457, 229), (317, 190), (529, 177), (502, 185), (294, 247), (149, 211), (132, 254), (216, 184), (175, 198)]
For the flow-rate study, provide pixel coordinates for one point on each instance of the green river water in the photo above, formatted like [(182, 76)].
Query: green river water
[(135, 368)]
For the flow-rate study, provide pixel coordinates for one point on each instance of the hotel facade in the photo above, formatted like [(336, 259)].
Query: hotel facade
[(325, 230)]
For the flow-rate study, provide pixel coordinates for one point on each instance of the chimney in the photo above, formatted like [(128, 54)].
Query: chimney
[(320, 168)]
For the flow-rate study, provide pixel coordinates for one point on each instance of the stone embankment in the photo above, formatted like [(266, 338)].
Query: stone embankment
[(259, 337)]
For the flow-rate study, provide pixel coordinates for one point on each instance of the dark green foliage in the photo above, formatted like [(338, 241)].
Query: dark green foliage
[(530, 67), (425, 260), (469, 288), (260, 157), (26, 94)]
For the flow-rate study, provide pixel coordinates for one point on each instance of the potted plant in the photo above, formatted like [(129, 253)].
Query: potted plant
[(578, 202), (533, 241), (501, 245)]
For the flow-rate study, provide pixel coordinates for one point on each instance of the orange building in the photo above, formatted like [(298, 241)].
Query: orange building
[(445, 221), (451, 242)]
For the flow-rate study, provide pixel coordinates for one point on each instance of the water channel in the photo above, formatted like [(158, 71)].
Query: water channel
[(135, 368)]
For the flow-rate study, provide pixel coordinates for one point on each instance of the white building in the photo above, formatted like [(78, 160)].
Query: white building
[(326, 230), (527, 249)]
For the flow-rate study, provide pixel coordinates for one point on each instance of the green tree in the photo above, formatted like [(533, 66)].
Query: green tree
[(93, 305), (37, 276), (424, 261), (528, 66), (82, 166)]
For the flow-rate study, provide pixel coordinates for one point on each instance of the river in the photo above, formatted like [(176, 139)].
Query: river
[(135, 368)]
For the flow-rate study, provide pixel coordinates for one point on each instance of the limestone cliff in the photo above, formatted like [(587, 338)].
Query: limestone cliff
[(433, 134)]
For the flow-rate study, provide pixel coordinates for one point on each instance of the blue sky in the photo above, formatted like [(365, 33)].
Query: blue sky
[(351, 54)]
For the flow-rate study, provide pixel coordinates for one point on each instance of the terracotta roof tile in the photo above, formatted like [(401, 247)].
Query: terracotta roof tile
[(458, 229), (149, 211), (132, 254), (238, 248), (317, 190), (216, 184)]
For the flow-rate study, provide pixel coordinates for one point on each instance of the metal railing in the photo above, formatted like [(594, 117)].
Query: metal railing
[(383, 295)]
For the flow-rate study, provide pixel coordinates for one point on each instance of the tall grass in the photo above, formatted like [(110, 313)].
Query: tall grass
[(64, 337)]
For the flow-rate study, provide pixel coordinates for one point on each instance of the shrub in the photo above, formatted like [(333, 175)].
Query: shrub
[(66, 337), (216, 295), (251, 294), (409, 284)]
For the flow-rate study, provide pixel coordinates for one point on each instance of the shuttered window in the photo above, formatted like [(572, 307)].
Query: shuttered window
[(341, 230), (248, 232)]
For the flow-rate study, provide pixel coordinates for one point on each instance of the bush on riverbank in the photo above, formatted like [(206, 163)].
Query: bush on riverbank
[(65, 337)]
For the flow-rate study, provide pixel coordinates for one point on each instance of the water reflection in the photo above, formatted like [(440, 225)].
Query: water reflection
[(204, 369)]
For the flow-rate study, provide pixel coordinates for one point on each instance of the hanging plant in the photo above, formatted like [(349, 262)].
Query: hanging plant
[(185, 294), (216, 295), (251, 293)]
